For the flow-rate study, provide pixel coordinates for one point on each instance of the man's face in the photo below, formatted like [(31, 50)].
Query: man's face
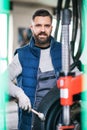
[(41, 28)]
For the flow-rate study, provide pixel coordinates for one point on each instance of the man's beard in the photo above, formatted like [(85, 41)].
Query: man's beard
[(40, 40)]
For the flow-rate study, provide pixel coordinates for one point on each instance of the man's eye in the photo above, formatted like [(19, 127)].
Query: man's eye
[(47, 26), (38, 25)]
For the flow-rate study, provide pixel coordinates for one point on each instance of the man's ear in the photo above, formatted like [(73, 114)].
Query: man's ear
[(30, 27)]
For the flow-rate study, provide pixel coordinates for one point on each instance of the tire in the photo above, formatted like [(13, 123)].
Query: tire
[(51, 108)]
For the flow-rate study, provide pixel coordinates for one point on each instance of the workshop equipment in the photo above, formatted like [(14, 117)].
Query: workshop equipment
[(68, 83)]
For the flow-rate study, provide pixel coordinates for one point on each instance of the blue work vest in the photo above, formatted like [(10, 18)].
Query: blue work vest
[(29, 57)]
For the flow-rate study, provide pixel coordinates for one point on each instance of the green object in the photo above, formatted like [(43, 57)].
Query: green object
[(84, 42), (4, 20), (4, 6), (3, 100)]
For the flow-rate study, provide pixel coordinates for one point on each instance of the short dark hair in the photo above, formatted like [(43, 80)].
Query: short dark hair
[(41, 12)]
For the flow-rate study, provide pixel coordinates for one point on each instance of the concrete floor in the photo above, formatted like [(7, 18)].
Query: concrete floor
[(12, 116)]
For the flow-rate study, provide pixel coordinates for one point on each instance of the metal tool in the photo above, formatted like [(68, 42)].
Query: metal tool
[(40, 115)]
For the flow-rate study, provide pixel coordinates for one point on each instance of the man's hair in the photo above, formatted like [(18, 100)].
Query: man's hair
[(41, 12)]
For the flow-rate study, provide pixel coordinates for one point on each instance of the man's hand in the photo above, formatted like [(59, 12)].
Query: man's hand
[(24, 102)]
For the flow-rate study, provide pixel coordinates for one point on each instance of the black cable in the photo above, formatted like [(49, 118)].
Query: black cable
[(76, 17), (67, 3), (58, 9)]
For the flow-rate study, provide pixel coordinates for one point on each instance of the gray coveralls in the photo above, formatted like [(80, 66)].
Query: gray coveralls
[(45, 82)]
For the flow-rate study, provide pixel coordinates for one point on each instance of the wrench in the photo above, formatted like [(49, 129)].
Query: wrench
[(40, 115)]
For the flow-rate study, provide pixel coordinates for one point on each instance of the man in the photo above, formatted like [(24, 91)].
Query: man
[(36, 67)]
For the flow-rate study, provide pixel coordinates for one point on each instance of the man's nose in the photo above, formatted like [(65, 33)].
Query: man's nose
[(42, 28)]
